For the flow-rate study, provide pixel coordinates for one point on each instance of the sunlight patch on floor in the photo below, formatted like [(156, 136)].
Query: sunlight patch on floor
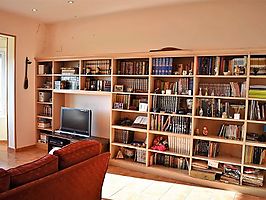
[(118, 187)]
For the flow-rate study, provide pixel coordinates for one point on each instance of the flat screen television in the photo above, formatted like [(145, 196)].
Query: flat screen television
[(76, 121)]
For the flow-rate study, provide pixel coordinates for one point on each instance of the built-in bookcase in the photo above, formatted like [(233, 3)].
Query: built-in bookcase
[(206, 105)]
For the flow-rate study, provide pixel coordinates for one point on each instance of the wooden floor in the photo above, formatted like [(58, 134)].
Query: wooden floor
[(10, 159)]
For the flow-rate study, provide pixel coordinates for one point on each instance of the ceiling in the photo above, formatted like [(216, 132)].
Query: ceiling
[(51, 11)]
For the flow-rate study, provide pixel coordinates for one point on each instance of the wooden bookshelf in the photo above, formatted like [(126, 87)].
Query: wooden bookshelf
[(232, 151)]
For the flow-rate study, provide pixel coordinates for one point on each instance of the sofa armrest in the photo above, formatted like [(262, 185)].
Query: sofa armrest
[(80, 181)]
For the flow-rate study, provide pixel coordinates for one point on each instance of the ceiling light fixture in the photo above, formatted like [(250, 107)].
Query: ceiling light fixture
[(70, 2), (34, 10)]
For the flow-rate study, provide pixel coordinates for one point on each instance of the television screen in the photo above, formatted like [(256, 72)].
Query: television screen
[(76, 120)]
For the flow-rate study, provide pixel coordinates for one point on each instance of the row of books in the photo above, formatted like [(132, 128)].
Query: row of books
[(169, 161), (257, 91), (253, 177), (257, 110), (179, 145), (133, 68), (174, 124), (232, 89), (215, 65), (215, 108), (183, 86), (233, 132), (162, 66), (171, 104), (102, 65), (98, 85), (255, 155), (258, 66), (124, 136), (139, 85), (206, 148)]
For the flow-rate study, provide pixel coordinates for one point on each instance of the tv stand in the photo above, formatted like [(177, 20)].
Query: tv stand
[(56, 139)]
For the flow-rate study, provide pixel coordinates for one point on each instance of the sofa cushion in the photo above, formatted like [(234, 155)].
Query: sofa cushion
[(33, 170), (4, 180), (74, 153)]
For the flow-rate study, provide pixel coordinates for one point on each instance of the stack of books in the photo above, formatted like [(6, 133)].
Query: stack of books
[(257, 91), (231, 174), (253, 177)]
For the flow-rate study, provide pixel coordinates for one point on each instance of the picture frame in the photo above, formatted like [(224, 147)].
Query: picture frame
[(143, 107), (118, 105), (118, 88)]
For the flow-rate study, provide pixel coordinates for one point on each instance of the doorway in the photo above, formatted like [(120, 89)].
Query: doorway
[(7, 90), (3, 89)]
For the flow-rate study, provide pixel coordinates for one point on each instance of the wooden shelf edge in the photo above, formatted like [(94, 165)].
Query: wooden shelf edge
[(185, 178)]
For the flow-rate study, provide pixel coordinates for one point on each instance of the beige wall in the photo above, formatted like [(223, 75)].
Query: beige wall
[(213, 25), (29, 36)]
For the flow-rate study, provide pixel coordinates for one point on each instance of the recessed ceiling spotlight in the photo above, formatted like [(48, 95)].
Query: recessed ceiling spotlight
[(70, 2), (34, 9)]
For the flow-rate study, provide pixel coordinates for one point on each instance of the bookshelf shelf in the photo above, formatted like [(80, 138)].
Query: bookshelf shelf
[(120, 72), (48, 103), (84, 92), (169, 153), (220, 119), (221, 76), (257, 99), (218, 139), (256, 122), (221, 159), (131, 76), (129, 128), (65, 74), (173, 76), (256, 166), (173, 95), (95, 75), (258, 77), (43, 75), (221, 97), (44, 117), (127, 145), (132, 93), (256, 144), (170, 114), (169, 134), (48, 89), (129, 111)]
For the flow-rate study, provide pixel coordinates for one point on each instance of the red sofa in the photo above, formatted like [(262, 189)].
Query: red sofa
[(76, 172)]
